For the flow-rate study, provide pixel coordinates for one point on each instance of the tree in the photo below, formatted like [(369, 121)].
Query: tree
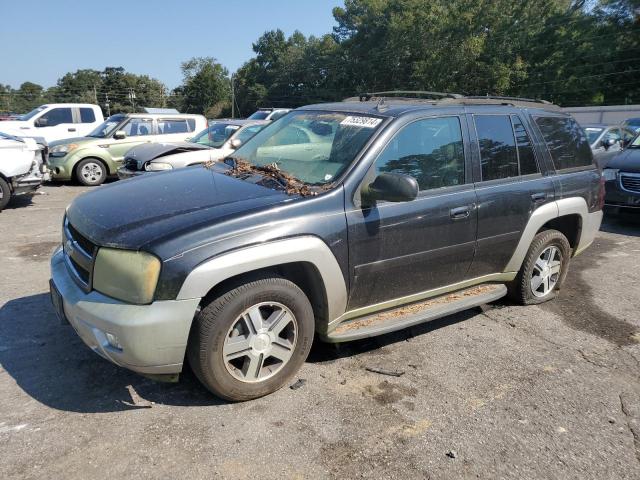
[(206, 86)]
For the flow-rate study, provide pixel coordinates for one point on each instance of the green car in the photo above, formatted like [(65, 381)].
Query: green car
[(91, 159)]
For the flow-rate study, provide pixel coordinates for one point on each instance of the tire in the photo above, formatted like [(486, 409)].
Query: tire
[(548, 246), (91, 172), (5, 193), (237, 361)]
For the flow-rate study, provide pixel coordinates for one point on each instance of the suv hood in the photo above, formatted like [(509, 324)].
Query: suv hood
[(627, 161), (132, 213)]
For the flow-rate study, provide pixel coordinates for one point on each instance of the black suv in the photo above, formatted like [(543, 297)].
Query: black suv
[(344, 220)]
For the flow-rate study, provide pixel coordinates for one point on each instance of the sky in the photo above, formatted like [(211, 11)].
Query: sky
[(44, 39)]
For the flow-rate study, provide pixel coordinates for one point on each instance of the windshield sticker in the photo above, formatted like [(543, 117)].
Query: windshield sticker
[(365, 122)]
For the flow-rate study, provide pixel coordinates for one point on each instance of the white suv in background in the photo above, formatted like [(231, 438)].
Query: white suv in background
[(56, 121), (271, 114)]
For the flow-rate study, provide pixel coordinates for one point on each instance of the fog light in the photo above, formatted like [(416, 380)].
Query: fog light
[(113, 341)]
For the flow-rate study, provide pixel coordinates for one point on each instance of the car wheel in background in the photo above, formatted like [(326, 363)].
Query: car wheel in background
[(543, 270), (250, 341), (91, 172), (5, 193)]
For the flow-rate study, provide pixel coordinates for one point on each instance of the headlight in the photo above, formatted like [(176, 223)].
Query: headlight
[(610, 173), (62, 150), (158, 166), (126, 275)]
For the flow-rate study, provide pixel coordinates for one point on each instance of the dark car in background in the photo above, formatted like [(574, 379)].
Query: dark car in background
[(622, 180), (632, 124)]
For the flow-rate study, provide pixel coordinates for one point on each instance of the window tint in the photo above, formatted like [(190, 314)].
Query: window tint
[(566, 141), (172, 125), (87, 115), (192, 124), (57, 116), (430, 150), (498, 155), (138, 126), (526, 156)]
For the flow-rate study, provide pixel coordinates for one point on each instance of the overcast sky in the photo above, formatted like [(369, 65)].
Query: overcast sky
[(42, 40)]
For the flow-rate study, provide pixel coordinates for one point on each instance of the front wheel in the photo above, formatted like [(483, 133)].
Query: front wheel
[(251, 340), (543, 269), (5, 193), (91, 172)]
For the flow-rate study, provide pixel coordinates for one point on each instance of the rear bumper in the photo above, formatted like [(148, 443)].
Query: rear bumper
[(153, 338)]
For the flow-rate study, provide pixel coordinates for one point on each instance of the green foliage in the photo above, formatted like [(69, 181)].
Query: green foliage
[(206, 87)]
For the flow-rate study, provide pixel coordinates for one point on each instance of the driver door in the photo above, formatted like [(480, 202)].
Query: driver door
[(137, 131), (401, 249), (56, 124)]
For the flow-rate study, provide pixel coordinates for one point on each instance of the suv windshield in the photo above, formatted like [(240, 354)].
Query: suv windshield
[(215, 135), (107, 127), (313, 147), (33, 113)]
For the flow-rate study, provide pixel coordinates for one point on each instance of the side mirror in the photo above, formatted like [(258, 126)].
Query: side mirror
[(608, 142), (41, 122), (120, 134), (392, 187), (235, 143)]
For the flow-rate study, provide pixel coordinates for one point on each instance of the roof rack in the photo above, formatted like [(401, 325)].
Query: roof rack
[(408, 94), (507, 99)]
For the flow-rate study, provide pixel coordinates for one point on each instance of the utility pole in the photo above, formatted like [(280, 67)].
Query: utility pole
[(233, 99), (132, 98), (95, 94), (106, 104)]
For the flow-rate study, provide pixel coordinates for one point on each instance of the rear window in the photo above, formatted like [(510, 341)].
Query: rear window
[(87, 115), (566, 141)]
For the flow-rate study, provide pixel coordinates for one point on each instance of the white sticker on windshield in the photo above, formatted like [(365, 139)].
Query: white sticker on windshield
[(365, 122)]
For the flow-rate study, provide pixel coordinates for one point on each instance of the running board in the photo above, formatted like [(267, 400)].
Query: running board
[(415, 313)]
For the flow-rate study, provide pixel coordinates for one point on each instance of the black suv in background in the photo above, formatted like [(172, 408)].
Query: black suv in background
[(344, 220), (622, 176)]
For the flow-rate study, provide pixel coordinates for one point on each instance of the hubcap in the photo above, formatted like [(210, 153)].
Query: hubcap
[(260, 342), (546, 271), (92, 172)]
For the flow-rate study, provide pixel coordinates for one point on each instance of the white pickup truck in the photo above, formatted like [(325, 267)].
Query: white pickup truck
[(22, 166), (56, 121)]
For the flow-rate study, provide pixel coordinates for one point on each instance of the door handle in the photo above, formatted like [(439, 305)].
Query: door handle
[(539, 197), (71, 129), (459, 213)]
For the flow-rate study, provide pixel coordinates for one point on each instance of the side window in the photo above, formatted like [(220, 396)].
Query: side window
[(192, 124), (172, 125), (628, 136), (55, 117), (498, 155), (613, 134), (276, 115), (526, 156), (87, 115), (137, 127), (430, 150), (566, 141)]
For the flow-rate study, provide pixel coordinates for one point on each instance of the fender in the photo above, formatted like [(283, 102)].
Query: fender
[(307, 249), (590, 223)]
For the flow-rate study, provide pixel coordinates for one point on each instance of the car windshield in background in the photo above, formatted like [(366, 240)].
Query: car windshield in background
[(32, 113), (107, 127), (314, 147), (215, 135), (593, 134), (259, 115)]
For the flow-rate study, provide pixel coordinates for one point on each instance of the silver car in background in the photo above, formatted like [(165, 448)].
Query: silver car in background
[(214, 143), (607, 140)]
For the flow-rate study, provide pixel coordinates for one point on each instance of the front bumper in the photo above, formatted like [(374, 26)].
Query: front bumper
[(153, 338), (31, 181), (124, 173), (617, 197), (60, 168)]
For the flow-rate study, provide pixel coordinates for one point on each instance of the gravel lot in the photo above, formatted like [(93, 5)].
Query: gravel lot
[(500, 392)]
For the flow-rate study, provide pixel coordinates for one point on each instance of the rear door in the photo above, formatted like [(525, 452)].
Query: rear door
[(85, 120), (404, 248), (510, 184)]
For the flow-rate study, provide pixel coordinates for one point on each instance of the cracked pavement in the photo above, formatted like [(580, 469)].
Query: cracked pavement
[(549, 391)]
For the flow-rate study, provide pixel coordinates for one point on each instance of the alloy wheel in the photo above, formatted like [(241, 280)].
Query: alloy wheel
[(546, 271), (91, 172)]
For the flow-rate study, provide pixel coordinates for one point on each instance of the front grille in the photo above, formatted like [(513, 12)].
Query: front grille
[(630, 182), (79, 255), (130, 164)]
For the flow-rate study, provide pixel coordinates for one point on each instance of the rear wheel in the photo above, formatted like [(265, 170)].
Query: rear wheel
[(543, 269), (5, 193), (91, 172), (251, 340)]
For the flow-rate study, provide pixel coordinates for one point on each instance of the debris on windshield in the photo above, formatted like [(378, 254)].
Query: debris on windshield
[(291, 184)]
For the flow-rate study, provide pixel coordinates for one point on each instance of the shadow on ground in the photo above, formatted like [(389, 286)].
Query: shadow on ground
[(622, 224)]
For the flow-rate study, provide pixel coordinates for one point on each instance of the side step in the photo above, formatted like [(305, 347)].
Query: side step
[(415, 313)]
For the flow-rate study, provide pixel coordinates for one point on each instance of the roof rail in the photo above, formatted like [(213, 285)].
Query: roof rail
[(507, 99), (416, 94)]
